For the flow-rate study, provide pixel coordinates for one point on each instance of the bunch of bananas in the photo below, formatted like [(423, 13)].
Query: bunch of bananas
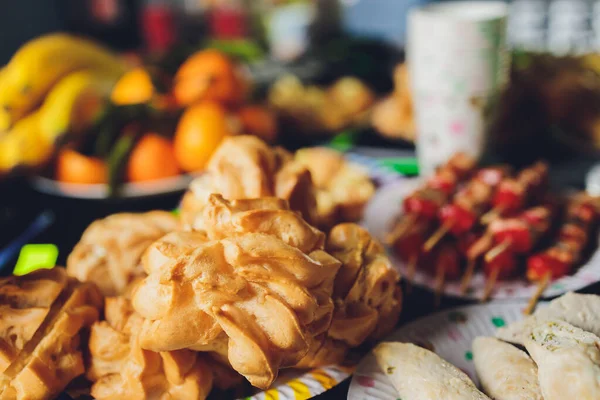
[(53, 85)]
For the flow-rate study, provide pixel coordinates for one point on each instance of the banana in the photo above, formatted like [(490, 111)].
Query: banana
[(42, 62), (23, 144), (71, 106), (74, 104)]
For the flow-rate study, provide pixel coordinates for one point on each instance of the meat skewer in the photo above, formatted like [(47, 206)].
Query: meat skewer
[(425, 202), (408, 247), (523, 232), (476, 250), (561, 257), (514, 193), (510, 197), (447, 266), (422, 206), (502, 266), (514, 236), (468, 205)]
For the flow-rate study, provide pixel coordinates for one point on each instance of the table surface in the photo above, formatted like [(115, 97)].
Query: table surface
[(19, 205)]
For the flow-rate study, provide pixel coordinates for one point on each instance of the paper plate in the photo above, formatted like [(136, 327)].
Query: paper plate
[(448, 333), (384, 208), (303, 385)]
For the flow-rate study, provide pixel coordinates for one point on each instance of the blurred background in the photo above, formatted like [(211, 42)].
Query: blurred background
[(130, 82)]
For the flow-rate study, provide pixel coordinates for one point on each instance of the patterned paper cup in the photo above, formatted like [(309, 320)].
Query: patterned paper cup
[(457, 60)]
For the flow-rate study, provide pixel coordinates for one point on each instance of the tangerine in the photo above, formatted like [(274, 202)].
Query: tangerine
[(152, 158), (207, 75), (201, 129), (134, 87), (74, 167)]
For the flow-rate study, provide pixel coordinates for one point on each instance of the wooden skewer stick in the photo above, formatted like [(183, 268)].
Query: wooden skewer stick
[(400, 228), (490, 283), (411, 269), (466, 280), (440, 277), (542, 285), (473, 253), (491, 215), (437, 236), (496, 251)]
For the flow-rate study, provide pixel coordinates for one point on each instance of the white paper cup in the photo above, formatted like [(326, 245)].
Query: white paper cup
[(457, 61)]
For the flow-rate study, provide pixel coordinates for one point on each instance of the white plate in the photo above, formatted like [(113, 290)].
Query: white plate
[(448, 333), (100, 191), (384, 208)]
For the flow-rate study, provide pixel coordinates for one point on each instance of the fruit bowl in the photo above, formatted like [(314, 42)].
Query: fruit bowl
[(101, 191)]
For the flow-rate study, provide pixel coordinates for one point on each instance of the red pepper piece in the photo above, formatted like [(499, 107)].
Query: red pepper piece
[(537, 216), (509, 196), (541, 264), (506, 264), (421, 206), (461, 220), (519, 237)]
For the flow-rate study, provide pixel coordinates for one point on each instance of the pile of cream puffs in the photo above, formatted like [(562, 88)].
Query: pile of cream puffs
[(238, 287)]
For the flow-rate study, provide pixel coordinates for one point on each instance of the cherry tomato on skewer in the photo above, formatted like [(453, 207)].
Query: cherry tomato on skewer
[(425, 202), (513, 193), (505, 262), (572, 238), (468, 205)]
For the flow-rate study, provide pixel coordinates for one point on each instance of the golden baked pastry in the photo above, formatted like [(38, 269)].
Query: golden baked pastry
[(120, 369), (246, 167), (393, 116), (323, 351), (270, 215), (110, 249), (366, 295), (42, 315), (343, 189), (254, 285), (24, 303)]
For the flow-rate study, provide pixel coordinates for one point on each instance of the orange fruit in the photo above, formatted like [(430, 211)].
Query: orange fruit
[(258, 121), (207, 75), (74, 167), (138, 87), (200, 130), (134, 87), (152, 158)]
